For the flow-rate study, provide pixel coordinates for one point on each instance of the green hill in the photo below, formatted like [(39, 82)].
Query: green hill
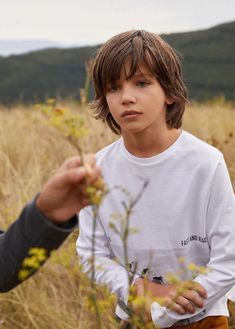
[(207, 57), (208, 60), (41, 74)]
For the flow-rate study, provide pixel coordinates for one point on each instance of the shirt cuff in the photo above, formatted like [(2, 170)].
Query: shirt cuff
[(159, 316), (122, 310)]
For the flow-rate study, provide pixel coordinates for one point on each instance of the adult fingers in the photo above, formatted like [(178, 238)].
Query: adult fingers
[(77, 175), (89, 162), (69, 177), (94, 175), (70, 163)]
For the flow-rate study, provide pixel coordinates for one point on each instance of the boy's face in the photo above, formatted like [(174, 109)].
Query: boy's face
[(139, 103)]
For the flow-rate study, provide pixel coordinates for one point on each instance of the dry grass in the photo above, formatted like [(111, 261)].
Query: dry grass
[(214, 123), (29, 152)]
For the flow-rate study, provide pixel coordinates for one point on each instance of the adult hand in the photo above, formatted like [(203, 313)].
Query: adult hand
[(181, 298), (65, 193)]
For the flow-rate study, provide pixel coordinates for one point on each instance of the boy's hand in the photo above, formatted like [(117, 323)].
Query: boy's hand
[(65, 193), (181, 298)]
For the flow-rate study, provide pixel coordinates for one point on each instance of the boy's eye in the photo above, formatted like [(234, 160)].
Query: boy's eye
[(142, 83), (112, 89)]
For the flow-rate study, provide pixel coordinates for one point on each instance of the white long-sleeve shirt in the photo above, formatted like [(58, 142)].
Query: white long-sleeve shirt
[(187, 210), (231, 294)]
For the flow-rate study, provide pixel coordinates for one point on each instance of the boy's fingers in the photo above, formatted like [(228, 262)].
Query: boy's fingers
[(202, 292), (195, 286), (139, 283), (178, 309), (186, 304), (193, 297), (199, 289), (174, 306)]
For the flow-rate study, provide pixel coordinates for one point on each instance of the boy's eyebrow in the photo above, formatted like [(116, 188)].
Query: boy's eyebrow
[(136, 75), (139, 75)]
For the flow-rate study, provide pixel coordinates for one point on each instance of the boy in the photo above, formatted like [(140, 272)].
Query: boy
[(187, 208)]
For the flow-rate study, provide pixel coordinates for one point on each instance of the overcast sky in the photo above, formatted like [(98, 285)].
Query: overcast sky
[(93, 21)]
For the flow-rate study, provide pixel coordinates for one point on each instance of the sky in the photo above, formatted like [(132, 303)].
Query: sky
[(90, 22)]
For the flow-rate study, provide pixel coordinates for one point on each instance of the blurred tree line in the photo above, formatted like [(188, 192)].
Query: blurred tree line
[(207, 57)]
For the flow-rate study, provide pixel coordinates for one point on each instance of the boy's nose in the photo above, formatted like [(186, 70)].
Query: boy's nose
[(128, 96)]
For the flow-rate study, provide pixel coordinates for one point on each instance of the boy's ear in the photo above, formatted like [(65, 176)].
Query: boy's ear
[(169, 100)]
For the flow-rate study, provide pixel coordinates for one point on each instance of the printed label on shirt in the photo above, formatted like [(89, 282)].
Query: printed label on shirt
[(193, 238)]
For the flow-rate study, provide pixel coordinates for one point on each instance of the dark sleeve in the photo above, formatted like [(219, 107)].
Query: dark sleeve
[(30, 230)]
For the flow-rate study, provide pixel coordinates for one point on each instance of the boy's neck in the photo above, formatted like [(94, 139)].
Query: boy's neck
[(147, 146)]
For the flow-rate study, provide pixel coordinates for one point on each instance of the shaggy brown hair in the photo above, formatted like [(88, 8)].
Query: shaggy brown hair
[(143, 48)]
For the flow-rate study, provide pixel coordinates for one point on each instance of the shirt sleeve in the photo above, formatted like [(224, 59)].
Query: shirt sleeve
[(31, 229), (107, 271), (220, 227), (231, 294)]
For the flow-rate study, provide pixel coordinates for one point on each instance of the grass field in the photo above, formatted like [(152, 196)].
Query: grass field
[(30, 151)]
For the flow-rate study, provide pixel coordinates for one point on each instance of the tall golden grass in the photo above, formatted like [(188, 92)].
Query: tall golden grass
[(30, 151)]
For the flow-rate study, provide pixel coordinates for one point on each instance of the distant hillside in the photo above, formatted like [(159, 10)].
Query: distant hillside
[(42, 74), (17, 47), (207, 57), (208, 60)]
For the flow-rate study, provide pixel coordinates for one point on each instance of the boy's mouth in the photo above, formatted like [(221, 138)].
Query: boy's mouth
[(130, 113)]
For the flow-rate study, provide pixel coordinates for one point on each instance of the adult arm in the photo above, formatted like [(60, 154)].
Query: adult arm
[(48, 219), (31, 229)]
